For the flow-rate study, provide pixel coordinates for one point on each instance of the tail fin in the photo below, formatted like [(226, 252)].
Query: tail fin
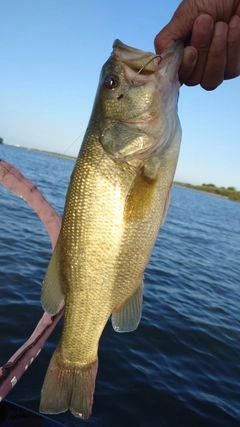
[(67, 387)]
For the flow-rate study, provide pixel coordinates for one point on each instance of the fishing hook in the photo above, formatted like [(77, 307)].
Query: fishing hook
[(139, 71), (150, 60)]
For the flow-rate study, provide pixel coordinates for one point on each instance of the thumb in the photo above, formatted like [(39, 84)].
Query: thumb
[(179, 28), (165, 38), (172, 32)]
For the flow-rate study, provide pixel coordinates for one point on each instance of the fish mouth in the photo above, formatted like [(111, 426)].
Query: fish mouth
[(135, 59), (140, 66)]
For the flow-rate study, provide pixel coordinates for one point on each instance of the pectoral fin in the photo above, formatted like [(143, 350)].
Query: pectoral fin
[(140, 198), (52, 294), (127, 317)]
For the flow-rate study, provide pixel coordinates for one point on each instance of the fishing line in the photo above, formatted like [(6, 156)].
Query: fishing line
[(62, 154)]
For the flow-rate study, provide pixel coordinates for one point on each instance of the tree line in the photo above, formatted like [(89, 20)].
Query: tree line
[(229, 192)]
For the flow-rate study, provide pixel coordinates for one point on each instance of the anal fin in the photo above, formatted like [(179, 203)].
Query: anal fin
[(128, 316), (52, 294)]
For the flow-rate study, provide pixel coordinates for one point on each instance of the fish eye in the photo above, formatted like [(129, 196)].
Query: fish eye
[(111, 81)]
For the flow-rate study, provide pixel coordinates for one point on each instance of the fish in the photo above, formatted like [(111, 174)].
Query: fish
[(116, 202)]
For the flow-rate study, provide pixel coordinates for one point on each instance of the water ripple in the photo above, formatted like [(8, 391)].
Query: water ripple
[(181, 367)]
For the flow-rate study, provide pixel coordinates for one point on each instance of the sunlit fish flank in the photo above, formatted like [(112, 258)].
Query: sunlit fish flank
[(116, 202)]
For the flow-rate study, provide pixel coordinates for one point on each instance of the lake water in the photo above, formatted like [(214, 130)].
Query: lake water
[(181, 367)]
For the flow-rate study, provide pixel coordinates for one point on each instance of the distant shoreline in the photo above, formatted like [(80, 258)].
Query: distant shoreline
[(201, 191), (227, 193), (49, 153)]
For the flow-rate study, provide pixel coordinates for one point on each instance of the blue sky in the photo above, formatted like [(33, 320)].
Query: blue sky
[(51, 55)]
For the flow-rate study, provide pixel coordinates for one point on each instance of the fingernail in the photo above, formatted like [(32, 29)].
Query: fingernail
[(220, 28), (235, 21), (204, 23)]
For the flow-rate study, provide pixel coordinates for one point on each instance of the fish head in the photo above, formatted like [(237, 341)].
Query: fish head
[(136, 102)]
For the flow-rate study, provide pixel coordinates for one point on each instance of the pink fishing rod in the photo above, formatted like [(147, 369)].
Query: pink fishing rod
[(15, 367)]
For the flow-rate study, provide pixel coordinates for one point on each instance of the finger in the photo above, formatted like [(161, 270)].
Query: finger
[(216, 61), (190, 56), (233, 48), (163, 40), (179, 28), (202, 33)]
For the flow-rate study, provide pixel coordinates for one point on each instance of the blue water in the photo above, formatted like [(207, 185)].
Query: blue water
[(181, 367)]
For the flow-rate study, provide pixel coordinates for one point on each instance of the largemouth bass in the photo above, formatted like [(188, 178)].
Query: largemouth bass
[(116, 202)]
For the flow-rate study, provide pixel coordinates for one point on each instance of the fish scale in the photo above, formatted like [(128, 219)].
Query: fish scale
[(116, 202)]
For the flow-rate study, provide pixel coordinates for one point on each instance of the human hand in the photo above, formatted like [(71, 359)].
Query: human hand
[(210, 30)]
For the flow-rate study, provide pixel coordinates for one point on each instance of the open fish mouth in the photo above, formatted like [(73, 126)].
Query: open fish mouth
[(140, 65)]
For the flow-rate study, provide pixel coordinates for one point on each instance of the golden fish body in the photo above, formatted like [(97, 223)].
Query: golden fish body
[(116, 202)]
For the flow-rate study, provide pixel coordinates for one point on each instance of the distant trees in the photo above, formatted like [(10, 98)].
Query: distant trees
[(221, 188), (230, 192), (1, 140)]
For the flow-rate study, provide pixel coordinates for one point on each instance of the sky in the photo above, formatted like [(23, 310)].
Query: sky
[(51, 54)]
